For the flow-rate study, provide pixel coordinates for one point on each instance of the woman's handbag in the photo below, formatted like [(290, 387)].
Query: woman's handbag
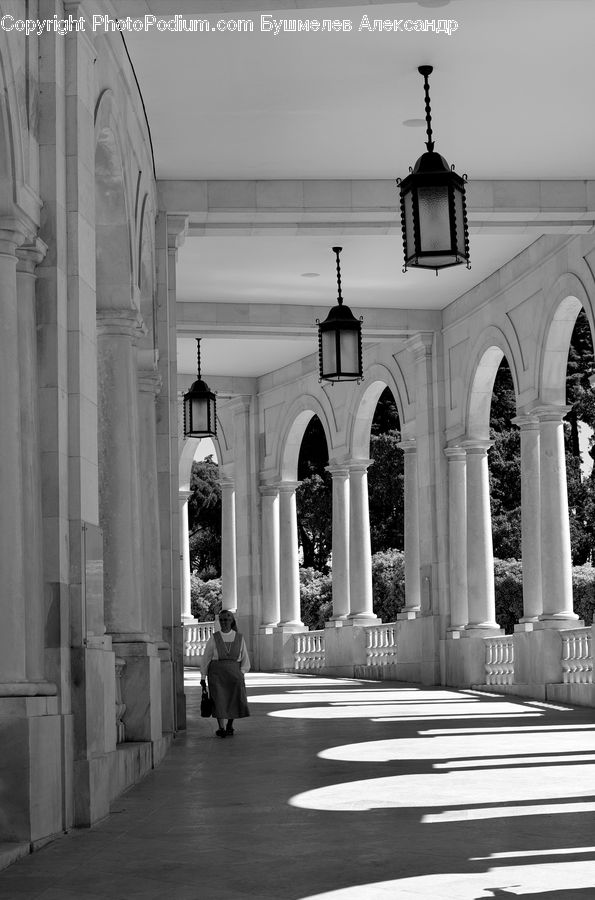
[(206, 704)]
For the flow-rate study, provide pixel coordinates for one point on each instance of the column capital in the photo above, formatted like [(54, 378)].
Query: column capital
[(553, 412), (421, 344), (456, 453), (408, 446), (337, 469), (476, 447), (13, 233), (177, 229), (526, 422), (287, 487), (358, 465), (118, 321), (183, 495), (268, 489), (30, 255), (226, 482)]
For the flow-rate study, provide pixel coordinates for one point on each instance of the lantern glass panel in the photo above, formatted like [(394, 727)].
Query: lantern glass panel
[(349, 351), (459, 202), (329, 353), (409, 228), (434, 219), (200, 414)]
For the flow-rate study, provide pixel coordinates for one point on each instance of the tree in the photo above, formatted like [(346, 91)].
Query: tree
[(204, 519), (385, 492), (314, 498)]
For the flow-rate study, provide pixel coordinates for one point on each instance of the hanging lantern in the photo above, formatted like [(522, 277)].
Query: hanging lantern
[(340, 340), (433, 207), (200, 407)]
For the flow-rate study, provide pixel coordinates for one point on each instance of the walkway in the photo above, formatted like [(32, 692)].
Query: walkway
[(346, 790)]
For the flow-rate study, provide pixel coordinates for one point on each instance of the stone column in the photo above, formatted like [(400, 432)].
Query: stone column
[(556, 559), (228, 545), (270, 556), (119, 493), (411, 532), (340, 540), (289, 578), (119, 506), (187, 617), (530, 519), (457, 534), (149, 385), (360, 552), (480, 555), (28, 258), (13, 653)]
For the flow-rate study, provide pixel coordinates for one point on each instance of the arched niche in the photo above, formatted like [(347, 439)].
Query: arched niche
[(569, 296), (292, 434), (11, 132), (364, 406), (113, 245), (145, 277), (482, 374)]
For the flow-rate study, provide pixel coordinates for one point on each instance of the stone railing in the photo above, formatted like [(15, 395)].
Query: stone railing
[(196, 636), (309, 650), (381, 644), (499, 659), (577, 656)]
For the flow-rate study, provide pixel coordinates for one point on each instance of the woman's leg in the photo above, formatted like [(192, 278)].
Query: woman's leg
[(229, 728)]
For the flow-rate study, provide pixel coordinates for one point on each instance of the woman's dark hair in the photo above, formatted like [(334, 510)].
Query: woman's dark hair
[(234, 626)]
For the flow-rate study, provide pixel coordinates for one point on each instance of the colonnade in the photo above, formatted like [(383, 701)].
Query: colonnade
[(545, 532), (351, 547)]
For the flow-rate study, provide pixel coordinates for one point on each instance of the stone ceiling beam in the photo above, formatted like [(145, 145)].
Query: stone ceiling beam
[(371, 206)]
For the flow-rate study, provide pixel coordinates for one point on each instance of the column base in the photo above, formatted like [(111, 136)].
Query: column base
[(289, 627), (363, 619), (561, 623), (337, 622), (483, 629), (406, 614), (525, 626)]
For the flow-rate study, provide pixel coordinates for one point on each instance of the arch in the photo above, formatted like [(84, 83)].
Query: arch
[(564, 302), (187, 454), (361, 415), (145, 269), (490, 349), (12, 168), (113, 229), (292, 431)]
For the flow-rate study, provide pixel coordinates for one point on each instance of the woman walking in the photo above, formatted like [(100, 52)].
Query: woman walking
[(224, 663)]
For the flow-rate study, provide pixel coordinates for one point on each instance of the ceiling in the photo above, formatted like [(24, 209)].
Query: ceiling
[(511, 98)]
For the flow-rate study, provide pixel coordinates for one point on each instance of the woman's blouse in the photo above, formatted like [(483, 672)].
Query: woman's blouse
[(211, 652)]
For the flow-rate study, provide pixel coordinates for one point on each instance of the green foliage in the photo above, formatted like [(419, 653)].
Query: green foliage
[(205, 598), (505, 468), (204, 518), (583, 591), (388, 583), (385, 491), (508, 578), (314, 501), (508, 584), (316, 602)]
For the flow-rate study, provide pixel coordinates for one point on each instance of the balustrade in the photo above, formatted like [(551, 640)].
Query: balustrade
[(309, 650), (381, 644), (196, 636), (499, 663), (577, 656)]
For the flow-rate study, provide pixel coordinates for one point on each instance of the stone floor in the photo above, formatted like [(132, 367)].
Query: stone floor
[(346, 790)]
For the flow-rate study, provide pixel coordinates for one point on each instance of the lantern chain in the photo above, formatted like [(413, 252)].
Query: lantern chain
[(426, 71), (337, 250), (198, 356)]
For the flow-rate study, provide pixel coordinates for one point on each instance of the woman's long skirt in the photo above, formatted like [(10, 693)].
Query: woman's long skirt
[(227, 689)]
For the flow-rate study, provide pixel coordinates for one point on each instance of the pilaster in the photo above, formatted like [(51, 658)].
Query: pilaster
[(289, 578), (360, 550), (411, 532), (340, 543), (228, 545), (480, 555), (457, 534), (530, 521), (185, 582), (271, 611)]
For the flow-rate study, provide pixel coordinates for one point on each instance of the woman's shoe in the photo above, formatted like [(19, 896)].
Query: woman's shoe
[(220, 732), (229, 730)]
